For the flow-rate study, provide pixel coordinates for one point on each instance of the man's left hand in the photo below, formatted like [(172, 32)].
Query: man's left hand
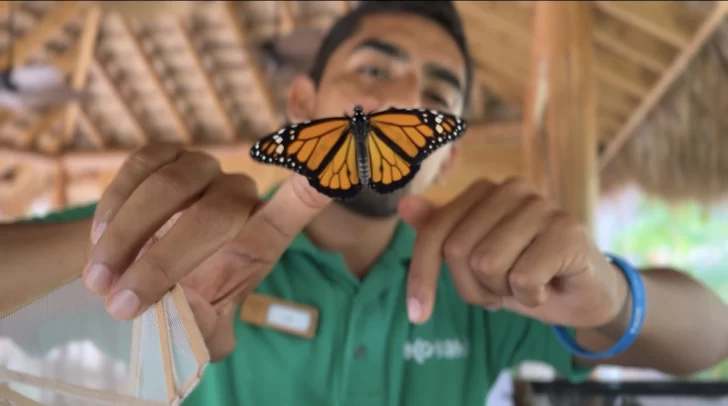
[(508, 247)]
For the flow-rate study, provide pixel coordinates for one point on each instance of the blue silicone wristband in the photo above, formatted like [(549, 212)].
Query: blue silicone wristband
[(639, 305)]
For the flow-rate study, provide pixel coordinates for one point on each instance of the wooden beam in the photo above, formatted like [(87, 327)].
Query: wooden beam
[(56, 18), (704, 33), (270, 108), (60, 197), (14, 156), (288, 20), (614, 100), (25, 188), (533, 137), (479, 135), (490, 133), (183, 130), (67, 61), (43, 124), (103, 74), (227, 122), (671, 21), (90, 130), (630, 78), (476, 110), (504, 32), (630, 43), (507, 89), (571, 112), (86, 47), (81, 161)]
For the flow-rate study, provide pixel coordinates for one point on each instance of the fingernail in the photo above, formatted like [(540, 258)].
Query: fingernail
[(414, 310), (97, 231), (125, 304), (98, 278)]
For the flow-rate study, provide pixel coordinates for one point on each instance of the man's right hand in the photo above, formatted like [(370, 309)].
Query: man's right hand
[(172, 216)]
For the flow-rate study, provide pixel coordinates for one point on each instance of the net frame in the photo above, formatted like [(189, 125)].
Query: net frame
[(22, 289)]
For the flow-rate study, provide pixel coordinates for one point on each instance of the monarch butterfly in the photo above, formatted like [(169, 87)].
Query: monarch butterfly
[(338, 155)]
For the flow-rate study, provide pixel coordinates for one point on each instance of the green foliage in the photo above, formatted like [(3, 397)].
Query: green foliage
[(683, 236)]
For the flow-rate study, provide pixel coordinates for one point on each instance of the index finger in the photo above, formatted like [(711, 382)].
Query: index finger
[(275, 223), (135, 169), (427, 255)]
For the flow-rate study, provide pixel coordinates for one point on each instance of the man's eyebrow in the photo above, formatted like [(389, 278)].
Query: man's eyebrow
[(437, 71), (383, 47), (446, 75)]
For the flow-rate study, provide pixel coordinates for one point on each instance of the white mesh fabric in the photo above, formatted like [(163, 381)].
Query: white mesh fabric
[(150, 374), (186, 369), (64, 345)]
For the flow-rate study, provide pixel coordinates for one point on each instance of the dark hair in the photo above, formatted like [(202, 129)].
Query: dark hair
[(442, 12)]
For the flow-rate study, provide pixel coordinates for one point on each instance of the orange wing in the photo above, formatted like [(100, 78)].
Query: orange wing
[(322, 150), (400, 139)]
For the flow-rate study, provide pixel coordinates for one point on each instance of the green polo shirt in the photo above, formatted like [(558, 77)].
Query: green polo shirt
[(365, 351)]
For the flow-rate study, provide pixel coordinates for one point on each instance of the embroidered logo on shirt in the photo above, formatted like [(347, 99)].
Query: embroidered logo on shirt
[(421, 350)]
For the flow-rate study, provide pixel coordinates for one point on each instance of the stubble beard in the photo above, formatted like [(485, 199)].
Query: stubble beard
[(369, 203)]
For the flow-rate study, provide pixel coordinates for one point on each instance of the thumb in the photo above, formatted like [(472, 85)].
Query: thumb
[(416, 211)]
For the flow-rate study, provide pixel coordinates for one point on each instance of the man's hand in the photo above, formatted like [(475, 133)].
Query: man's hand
[(507, 247), (172, 216)]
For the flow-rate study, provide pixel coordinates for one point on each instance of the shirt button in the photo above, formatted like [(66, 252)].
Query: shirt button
[(360, 352)]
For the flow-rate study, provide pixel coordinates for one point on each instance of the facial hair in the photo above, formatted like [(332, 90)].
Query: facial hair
[(369, 203)]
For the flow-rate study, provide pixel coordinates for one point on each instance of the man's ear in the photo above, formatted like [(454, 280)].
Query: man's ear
[(301, 99), (448, 163)]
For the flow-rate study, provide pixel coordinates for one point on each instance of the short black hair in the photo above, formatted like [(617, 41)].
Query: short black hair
[(442, 12)]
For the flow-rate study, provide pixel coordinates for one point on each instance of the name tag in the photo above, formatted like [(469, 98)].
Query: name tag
[(288, 317)]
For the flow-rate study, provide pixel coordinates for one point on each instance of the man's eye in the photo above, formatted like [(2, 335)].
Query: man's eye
[(436, 98), (373, 72)]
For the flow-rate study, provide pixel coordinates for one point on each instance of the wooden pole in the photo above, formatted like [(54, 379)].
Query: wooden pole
[(561, 152), (534, 134), (572, 110)]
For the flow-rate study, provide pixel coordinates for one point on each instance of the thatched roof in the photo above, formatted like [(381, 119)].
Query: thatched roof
[(218, 75), (680, 150)]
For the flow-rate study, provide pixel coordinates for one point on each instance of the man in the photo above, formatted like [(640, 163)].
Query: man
[(418, 304)]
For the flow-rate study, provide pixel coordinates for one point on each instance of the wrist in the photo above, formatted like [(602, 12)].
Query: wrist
[(624, 334), (616, 327)]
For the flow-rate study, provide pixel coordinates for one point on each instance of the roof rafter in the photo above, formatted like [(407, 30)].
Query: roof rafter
[(103, 74), (508, 30), (228, 125), (85, 51), (703, 34), (23, 49), (669, 21), (229, 13), (183, 129)]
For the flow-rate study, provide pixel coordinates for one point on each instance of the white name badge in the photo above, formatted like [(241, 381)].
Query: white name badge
[(293, 318)]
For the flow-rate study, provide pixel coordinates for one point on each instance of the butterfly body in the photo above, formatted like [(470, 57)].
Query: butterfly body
[(339, 155), (360, 131)]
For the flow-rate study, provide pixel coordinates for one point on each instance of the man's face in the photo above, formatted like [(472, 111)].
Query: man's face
[(392, 60)]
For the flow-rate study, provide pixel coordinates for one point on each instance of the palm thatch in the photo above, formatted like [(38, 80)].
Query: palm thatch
[(680, 151)]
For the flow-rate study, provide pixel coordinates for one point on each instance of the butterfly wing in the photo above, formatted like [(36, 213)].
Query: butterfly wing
[(323, 151), (400, 139)]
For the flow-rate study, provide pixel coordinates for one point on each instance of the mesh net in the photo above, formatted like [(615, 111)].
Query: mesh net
[(64, 349)]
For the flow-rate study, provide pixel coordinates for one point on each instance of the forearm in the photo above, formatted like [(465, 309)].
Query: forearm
[(34, 259), (684, 328)]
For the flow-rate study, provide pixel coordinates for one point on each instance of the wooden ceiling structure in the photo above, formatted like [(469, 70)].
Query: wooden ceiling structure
[(588, 71)]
